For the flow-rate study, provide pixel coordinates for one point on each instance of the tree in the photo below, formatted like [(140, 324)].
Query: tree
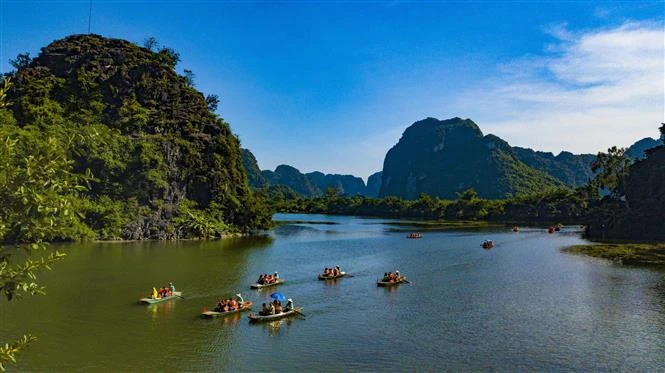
[(611, 168), (168, 57), (21, 61), (38, 191), (189, 77), (213, 102), (151, 43)]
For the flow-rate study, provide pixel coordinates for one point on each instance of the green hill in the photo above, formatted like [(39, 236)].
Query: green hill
[(446, 157), (165, 166)]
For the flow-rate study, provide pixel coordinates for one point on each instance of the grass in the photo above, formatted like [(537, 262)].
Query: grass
[(625, 253)]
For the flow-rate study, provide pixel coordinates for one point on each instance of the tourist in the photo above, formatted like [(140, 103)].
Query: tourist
[(172, 287), (260, 280), (289, 305)]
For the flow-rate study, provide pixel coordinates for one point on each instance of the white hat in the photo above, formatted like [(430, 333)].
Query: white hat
[(290, 300)]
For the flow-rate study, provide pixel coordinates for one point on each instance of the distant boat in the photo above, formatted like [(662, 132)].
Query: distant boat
[(414, 235), (550, 230), (261, 286), (516, 229), (487, 244)]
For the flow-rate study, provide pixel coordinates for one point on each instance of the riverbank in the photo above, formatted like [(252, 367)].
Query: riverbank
[(624, 253)]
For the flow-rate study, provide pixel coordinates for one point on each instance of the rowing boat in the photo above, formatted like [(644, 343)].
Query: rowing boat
[(324, 277), (261, 286), (210, 314), (253, 318), (176, 294), (391, 283)]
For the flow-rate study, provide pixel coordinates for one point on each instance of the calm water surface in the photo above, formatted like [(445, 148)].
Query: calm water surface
[(523, 305)]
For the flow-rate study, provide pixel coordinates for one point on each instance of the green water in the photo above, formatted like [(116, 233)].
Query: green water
[(521, 306)]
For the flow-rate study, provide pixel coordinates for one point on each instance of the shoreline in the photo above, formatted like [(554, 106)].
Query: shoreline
[(652, 254)]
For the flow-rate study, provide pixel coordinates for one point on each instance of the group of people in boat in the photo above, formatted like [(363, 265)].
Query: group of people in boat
[(165, 291), (267, 279), (414, 235), (392, 277), (332, 272), (226, 305), (275, 308), (487, 244)]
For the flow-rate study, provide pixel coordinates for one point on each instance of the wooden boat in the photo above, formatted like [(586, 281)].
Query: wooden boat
[(244, 307), (516, 229), (487, 244), (261, 286), (414, 235), (176, 294), (323, 277), (254, 318), (550, 230), (391, 283)]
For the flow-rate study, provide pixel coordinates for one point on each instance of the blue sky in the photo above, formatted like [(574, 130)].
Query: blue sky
[(330, 86)]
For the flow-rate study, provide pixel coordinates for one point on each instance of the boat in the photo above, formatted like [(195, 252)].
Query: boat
[(391, 283), (247, 305), (550, 230), (324, 277), (516, 229), (175, 294), (261, 286), (414, 235), (487, 244), (254, 318)]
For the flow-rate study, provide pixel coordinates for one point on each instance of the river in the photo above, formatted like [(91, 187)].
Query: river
[(522, 305)]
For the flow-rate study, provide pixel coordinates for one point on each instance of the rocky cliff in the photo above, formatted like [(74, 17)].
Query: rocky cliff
[(571, 169), (445, 157), (345, 184), (374, 184)]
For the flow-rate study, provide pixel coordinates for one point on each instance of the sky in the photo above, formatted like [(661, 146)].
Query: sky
[(331, 85)]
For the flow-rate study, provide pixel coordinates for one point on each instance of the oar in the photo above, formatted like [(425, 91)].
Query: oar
[(179, 296), (299, 313)]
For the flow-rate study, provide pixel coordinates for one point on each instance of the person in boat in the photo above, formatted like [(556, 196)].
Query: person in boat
[(397, 276), (232, 304), (219, 307), (155, 295), (339, 270), (278, 307), (289, 305), (260, 280), (171, 287), (326, 271), (265, 311), (271, 310), (276, 276)]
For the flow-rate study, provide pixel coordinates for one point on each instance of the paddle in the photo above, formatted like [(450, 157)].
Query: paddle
[(179, 296), (299, 313)]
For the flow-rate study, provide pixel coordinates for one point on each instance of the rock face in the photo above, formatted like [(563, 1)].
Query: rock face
[(638, 150), (153, 142), (374, 184), (446, 157), (571, 169), (293, 178), (346, 184), (641, 216), (254, 177)]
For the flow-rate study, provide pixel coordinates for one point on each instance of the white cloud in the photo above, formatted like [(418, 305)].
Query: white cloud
[(588, 91)]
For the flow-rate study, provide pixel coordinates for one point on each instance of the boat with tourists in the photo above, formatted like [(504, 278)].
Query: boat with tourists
[(516, 229), (266, 281), (274, 311), (487, 244), (414, 235), (255, 318), (163, 294), (332, 273), (228, 306), (392, 279)]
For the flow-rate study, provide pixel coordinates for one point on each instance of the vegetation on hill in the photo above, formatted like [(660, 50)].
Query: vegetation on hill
[(162, 164), (571, 169), (445, 157)]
